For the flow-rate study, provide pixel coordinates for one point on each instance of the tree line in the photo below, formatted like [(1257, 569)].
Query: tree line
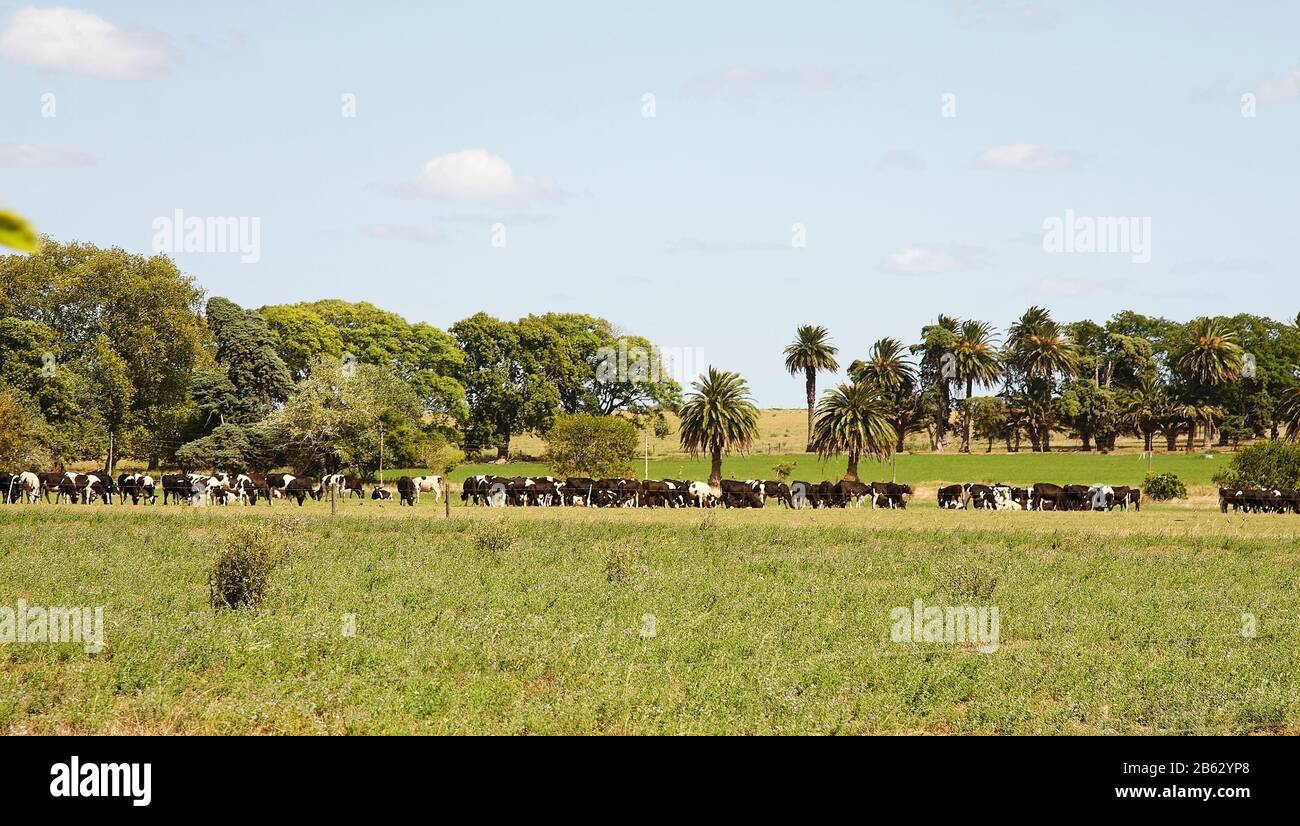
[(105, 354)]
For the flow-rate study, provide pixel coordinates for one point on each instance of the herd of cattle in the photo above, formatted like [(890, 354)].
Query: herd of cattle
[(222, 488), (547, 491), (1040, 497)]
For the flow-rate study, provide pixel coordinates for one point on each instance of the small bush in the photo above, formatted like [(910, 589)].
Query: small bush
[(963, 580), (1272, 464), (249, 552), (493, 537), (783, 470), (619, 564), (1161, 487)]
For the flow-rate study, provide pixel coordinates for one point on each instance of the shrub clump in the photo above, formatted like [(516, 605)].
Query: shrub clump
[(250, 550), (493, 537), (1273, 465), (1161, 487)]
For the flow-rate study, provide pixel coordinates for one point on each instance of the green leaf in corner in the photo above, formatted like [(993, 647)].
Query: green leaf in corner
[(17, 233)]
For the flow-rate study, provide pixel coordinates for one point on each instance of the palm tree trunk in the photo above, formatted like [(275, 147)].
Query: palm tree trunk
[(811, 386), (852, 473), (1191, 435), (715, 472), (965, 439), (1171, 440)]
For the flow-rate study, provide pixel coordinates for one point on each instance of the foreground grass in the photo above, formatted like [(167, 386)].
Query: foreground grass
[(765, 622)]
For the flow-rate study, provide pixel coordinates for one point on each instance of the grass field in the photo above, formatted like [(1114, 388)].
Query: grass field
[(766, 621)]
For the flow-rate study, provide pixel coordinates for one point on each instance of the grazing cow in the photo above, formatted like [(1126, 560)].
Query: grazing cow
[(889, 495), (381, 493), (428, 484), (176, 486), (1125, 496), (654, 494), (1048, 497), (8, 487), (1101, 497), (849, 492), (953, 497), (25, 485), (578, 490), (779, 491), (299, 488), (277, 483), (981, 497), (1077, 498), (740, 495), (138, 486), (50, 483), (700, 495), (407, 491)]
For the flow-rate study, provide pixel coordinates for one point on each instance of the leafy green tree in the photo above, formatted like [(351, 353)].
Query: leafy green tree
[(505, 387), (232, 447), (245, 349), (582, 444), (810, 353), (19, 431), (991, 419), (16, 233), (718, 417), (334, 421), (144, 308), (421, 355), (853, 419), (300, 335), (1091, 411), (1273, 465)]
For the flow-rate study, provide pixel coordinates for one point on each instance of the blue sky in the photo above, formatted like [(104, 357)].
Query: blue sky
[(678, 227)]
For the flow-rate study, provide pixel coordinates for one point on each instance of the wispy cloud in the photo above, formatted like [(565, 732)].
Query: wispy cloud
[(1283, 88), (1219, 265), (902, 159), (1029, 157), (1007, 15), (748, 79), (409, 234), (931, 260), (40, 156), (77, 42), (700, 245)]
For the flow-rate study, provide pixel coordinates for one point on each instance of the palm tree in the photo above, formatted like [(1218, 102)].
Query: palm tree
[(811, 352), (718, 416), (1211, 355), (978, 362), (888, 370), (937, 341), (1143, 406), (1040, 350), (853, 419), (1288, 411)]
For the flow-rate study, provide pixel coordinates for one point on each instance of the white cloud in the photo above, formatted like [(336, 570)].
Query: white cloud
[(750, 79), (479, 175), (67, 40), (919, 260), (1029, 157), (39, 156), (1283, 88)]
